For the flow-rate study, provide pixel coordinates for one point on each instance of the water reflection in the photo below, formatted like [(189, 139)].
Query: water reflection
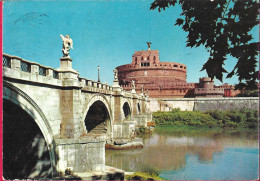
[(166, 151)]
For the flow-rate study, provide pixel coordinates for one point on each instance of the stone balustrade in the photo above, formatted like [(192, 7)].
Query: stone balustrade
[(17, 63)]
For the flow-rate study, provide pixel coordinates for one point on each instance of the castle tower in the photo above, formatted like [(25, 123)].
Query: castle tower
[(155, 76)]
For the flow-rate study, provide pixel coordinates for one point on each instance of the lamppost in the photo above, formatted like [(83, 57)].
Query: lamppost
[(98, 74)]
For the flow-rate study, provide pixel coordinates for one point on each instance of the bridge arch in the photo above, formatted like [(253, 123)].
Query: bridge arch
[(139, 107), (22, 101), (127, 109), (98, 116)]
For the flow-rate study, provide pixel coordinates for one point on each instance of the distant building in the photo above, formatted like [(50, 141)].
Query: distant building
[(229, 90), (165, 79), (206, 88)]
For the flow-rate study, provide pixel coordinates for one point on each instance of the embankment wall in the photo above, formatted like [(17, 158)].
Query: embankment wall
[(204, 104)]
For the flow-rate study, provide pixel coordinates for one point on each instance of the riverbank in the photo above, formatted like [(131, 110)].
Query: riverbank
[(186, 130), (210, 119)]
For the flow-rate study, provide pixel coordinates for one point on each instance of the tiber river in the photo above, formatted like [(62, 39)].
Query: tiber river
[(189, 155)]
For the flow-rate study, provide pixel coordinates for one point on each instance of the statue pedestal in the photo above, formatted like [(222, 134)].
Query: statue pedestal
[(116, 86), (133, 91), (66, 70), (65, 63), (115, 83)]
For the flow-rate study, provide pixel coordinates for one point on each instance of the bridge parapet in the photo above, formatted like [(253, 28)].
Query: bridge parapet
[(32, 71), (18, 63), (18, 68), (93, 86)]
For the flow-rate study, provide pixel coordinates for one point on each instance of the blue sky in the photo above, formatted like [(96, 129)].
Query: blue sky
[(104, 33)]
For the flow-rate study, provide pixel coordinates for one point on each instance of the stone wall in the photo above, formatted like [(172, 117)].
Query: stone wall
[(124, 130), (204, 104), (81, 155)]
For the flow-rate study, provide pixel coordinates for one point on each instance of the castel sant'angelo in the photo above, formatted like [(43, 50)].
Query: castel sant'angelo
[(165, 79)]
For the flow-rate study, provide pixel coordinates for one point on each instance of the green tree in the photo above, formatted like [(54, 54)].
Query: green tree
[(223, 27)]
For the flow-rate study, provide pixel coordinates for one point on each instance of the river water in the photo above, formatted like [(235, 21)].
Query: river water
[(193, 154)]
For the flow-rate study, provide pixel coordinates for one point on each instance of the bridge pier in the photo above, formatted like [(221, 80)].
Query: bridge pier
[(70, 126), (81, 155), (122, 127)]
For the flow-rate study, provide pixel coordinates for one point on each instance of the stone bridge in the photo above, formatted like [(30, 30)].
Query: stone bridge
[(64, 119)]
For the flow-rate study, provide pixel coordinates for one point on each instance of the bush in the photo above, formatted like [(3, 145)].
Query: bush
[(147, 173), (68, 171), (218, 115), (184, 118), (237, 117), (142, 176), (252, 122), (248, 93), (151, 171), (230, 124), (226, 119), (175, 110), (143, 130)]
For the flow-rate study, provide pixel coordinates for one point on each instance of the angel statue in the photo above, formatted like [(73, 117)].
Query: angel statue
[(67, 43), (142, 89), (133, 84), (115, 74), (149, 45)]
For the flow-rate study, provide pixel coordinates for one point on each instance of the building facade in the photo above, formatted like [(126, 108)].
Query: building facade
[(164, 79)]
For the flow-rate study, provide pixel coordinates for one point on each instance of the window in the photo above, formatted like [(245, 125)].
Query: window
[(175, 65), (145, 64)]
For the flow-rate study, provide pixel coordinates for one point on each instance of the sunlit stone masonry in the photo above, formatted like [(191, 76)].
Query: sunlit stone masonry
[(56, 121)]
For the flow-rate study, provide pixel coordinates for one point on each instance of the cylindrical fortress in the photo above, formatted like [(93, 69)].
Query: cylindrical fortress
[(162, 79), (146, 69)]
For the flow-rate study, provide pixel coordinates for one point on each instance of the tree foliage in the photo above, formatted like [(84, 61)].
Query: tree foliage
[(223, 27)]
